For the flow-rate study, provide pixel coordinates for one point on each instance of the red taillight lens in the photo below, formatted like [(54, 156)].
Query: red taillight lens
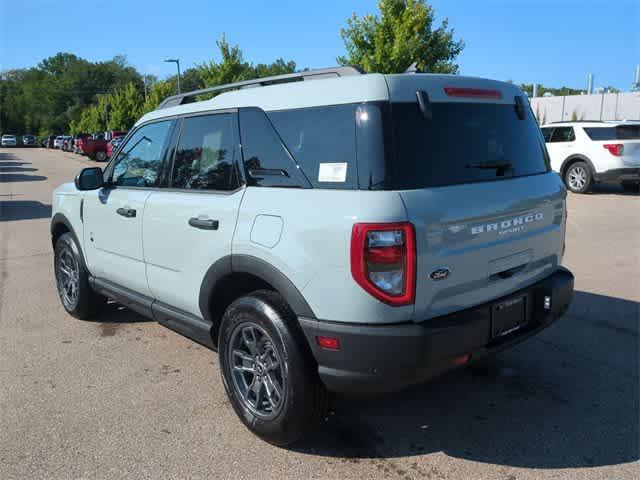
[(328, 343), (473, 92), (614, 148), (383, 260)]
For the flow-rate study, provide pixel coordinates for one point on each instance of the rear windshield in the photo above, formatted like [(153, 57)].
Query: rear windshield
[(622, 132), (463, 143)]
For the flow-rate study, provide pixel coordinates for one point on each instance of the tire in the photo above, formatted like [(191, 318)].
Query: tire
[(578, 177), (280, 358), (633, 187), (100, 156), (72, 280)]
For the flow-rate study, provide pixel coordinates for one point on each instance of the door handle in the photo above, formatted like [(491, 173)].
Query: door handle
[(126, 212), (203, 223)]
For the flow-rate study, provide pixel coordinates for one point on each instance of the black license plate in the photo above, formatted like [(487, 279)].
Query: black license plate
[(508, 316)]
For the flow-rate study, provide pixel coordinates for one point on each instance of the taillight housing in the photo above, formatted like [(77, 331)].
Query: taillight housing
[(615, 149), (383, 261)]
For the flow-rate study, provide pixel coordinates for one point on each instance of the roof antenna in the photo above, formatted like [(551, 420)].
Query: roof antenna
[(413, 68)]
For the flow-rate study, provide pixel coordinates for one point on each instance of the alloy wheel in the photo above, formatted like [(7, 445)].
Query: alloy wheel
[(257, 371), (68, 277), (577, 178)]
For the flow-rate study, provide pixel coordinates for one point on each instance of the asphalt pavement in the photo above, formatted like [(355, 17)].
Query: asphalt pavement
[(123, 397)]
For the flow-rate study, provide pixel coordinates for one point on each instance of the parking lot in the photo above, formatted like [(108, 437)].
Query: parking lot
[(122, 397)]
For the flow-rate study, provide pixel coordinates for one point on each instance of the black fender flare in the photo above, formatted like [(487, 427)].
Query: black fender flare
[(61, 219), (577, 156), (240, 263)]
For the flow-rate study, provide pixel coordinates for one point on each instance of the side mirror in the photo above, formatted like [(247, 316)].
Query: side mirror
[(89, 179)]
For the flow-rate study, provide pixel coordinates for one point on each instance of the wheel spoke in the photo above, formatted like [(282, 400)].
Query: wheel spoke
[(246, 362), (65, 270), (257, 390), (273, 389), (249, 338)]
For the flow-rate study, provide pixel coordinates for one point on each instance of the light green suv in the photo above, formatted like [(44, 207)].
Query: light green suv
[(325, 231)]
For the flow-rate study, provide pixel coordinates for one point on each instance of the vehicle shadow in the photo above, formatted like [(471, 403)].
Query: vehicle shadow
[(566, 398), (23, 210), (14, 169), (611, 189), (114, 316), (19, 177), (13, 164), (8, 156)]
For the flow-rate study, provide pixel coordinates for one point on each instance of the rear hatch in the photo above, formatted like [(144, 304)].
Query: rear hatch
[(620, 140), (473, 174)]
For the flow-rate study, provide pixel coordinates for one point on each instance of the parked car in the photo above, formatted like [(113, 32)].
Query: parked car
[(112, 145), (95, 147), (585, 153), (57, 142), (67, 144), (8, 141), (371, 232), (29, 140), (77, 142), (110, 135), (49, 141)]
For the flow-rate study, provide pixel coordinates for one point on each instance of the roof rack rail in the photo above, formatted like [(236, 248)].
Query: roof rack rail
[(316, 74)]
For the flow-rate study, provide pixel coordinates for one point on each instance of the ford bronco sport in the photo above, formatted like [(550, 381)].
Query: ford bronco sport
[(325, 231)]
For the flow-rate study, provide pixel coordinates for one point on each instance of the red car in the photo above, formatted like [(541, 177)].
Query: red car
[(112, 145)]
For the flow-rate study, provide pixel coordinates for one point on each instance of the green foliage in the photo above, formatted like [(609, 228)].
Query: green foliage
[(233, 68), (158, 92), (404, 33), (49, 97), (124, 107)]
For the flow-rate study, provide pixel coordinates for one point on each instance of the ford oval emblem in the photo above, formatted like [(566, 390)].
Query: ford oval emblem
[(439, 274)]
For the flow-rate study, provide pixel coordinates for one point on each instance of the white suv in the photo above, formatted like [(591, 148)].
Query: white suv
[(584, 153)]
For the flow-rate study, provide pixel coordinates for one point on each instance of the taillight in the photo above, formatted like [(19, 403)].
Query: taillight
[(473, 92), (383, 260), (614, 148)]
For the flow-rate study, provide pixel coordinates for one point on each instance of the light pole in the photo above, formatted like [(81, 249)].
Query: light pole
[(177, 62)]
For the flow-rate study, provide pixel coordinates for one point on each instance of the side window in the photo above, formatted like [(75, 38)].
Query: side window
[(204, 156), (266, 161), (546, 133), (138, 163), (323, 142), (563, 134)]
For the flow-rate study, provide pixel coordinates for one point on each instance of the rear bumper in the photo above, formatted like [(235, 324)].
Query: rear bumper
[(383, 358), (619, 175)]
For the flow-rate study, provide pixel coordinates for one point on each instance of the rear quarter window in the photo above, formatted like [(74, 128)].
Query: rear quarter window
[(622, 132), (322, 141)]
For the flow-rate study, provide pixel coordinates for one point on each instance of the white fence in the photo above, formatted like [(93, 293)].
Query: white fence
[(605, 106)]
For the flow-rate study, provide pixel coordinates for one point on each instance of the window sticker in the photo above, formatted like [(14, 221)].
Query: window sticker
[(332, 172)]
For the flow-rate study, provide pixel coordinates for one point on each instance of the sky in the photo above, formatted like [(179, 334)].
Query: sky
[(552, 42)]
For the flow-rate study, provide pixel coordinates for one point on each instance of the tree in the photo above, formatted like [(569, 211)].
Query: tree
[(158, 92), (232, 67), (404, 33), (125, 107), (47, 98)]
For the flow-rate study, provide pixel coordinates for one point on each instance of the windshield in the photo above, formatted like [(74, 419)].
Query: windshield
[(463, 143)]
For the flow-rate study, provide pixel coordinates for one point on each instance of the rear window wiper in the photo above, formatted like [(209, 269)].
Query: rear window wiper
[(499, 167)]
